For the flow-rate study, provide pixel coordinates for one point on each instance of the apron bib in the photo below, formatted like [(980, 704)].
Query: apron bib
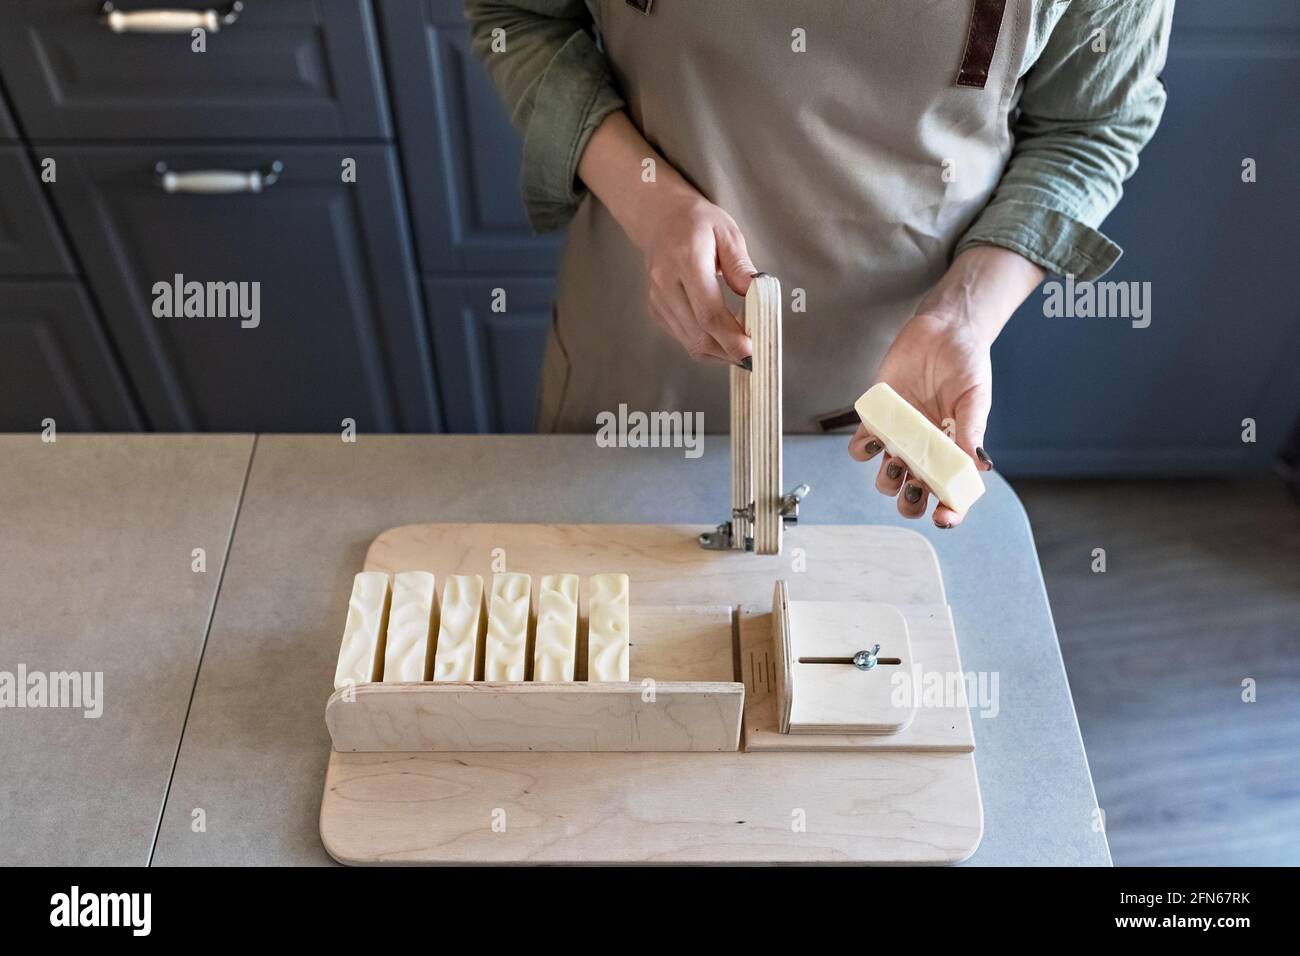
[(852, 168)]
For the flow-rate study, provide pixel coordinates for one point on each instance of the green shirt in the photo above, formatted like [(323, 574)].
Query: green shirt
[(1081, 119)]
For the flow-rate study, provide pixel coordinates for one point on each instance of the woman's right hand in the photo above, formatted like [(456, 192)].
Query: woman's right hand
[(686, 240), (687, 243)]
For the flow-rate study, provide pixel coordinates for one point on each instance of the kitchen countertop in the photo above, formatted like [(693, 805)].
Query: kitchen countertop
[(98, 535), (254, 746)]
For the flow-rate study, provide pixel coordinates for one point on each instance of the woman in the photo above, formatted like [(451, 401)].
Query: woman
[(907, 169)]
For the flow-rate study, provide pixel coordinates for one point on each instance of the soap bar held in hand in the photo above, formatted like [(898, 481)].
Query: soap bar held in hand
[(929, 454)]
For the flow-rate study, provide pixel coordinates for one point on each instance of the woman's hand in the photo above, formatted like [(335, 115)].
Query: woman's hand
[(940, 365), (686, 245), (939, 362), (686, 240)]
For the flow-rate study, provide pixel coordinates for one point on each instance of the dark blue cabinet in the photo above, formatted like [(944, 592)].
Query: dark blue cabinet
[(462, 160), (30, 244), (488, 336), (460, 153), (55, 362), (338, 334), (8, 133)]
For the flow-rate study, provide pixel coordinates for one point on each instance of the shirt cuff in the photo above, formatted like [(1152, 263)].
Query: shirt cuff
[(1045, 236), (575, 94)]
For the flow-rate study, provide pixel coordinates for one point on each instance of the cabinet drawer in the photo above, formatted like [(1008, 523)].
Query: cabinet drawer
[(55, 362), (489, 361), (284, 69), (307, 306), (29, 240)]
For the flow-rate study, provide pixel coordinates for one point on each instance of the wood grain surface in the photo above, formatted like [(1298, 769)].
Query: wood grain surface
[(835, 807)]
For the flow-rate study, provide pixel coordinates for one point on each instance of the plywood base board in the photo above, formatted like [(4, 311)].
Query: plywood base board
[(882, 806), (651, 808)]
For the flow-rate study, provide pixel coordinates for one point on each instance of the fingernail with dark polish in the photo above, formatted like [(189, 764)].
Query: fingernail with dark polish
[(983, 456), (942, 527), (893, 469), (912, 493), (874, 447), (747, 363)]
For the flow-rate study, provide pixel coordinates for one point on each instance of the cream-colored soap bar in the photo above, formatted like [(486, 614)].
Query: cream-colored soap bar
[(506, 650), (361, 657), (462, 627), (557, 628), (928, 453), (607, 631), (408, 650)]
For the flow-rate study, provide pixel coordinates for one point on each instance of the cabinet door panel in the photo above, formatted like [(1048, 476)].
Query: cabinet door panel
[(290, 69), (489, 361), (338, 332), (8, 132), (461, 154), (29, 239), (1095, 395), (55, 362)]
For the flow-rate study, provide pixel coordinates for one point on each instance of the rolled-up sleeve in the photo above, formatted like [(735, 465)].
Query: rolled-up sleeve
[(543, 58), (1084, 115)]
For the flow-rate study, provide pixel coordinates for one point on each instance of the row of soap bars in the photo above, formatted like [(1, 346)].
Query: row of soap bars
[(397, 631)]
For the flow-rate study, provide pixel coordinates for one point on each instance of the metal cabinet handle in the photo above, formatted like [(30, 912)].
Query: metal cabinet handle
[(216, 181), (167, 21)]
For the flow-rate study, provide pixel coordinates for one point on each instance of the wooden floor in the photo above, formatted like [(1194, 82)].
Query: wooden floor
[(1201, 591)]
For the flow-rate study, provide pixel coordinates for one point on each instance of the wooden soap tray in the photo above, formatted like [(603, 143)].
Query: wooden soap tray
[(699, 770)]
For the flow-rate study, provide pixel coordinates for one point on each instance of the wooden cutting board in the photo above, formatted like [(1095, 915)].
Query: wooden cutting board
[(833, 804)]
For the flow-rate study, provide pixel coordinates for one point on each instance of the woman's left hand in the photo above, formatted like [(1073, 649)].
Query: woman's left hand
[(939, 362), (941, 366)]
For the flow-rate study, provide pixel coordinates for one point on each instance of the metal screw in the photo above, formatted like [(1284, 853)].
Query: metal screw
[(865, 660)]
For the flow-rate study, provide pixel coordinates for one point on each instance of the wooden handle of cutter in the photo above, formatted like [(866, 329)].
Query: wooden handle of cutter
[(756, 424)]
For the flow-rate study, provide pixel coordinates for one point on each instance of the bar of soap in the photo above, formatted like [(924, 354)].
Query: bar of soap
[(506, 649), (928, 453), (607, 631), (408, 649), (557, 628), (361, 657), (462, 627)]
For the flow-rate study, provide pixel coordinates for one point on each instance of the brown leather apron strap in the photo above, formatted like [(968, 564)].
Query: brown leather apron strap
[(985, 24)]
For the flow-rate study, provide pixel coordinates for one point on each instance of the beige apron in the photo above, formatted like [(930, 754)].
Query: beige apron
[(851, 168)]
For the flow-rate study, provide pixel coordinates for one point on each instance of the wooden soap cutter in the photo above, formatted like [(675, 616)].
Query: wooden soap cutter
[(759, 509)]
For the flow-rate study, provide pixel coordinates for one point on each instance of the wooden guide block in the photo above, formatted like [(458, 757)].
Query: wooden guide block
[(681, 698), (579, 716), (742, 468), (946, 728), (412, 620), (462, 629), (361, 656), (607, 627), (763, 323), (506, 647), (825, 691)]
